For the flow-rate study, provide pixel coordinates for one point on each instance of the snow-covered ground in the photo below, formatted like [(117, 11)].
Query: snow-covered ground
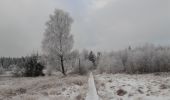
[(75, 87), (72, 87), (133, 87)]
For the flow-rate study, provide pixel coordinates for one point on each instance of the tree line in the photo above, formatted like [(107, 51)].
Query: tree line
[(58, 54), (144, 59), (28, 66), (58, 43)]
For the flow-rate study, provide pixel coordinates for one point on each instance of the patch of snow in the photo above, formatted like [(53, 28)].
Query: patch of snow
[(138, 87)]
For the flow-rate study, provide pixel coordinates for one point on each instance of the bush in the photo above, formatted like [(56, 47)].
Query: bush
[(33, 67), (30, 67), (1, 70), (17, 71)]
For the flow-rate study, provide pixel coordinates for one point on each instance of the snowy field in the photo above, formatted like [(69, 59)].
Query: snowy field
[(75, 87), (133, 87), (43, 88)]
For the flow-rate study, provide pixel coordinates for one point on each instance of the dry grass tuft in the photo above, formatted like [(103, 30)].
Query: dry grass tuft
[(80, 97), (121, 92), (164, 86), (103, 84), (21, 91), (79, 80)]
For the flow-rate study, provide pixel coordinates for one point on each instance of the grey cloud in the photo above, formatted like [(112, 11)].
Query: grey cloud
[(22, 25), (132, 22), (114, 25)]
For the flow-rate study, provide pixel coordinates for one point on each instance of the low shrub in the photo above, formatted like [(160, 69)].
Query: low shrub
[(17, 71), (30, 67), (33, 67), (1, 70)]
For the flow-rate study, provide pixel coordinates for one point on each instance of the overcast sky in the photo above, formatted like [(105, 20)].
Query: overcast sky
[(98, 24)]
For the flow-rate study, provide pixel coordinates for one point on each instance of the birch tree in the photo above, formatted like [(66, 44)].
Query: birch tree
[(58, 42)]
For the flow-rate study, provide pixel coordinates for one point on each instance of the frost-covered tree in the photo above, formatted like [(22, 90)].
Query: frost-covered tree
[(85, 54), (1, 70), (58, 41), (17, 71), (92, 58), (83, 64), (144, 59), (98, 58), (33, 66), (110, 63), (74, 57)]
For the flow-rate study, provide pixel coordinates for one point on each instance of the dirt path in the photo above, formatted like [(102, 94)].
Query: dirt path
[(92, 93)]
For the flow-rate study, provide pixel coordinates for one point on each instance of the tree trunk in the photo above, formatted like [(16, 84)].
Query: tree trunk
[(62, 66), (79, 66)]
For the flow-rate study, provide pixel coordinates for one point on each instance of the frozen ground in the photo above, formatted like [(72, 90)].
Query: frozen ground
[(43, 88), (133, 87), (75, 87)]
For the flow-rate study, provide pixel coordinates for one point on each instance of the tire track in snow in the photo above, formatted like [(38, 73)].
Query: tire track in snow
[(92, 93)]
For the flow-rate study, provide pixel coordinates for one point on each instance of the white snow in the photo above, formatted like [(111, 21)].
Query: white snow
[(91, 93), (75, 87), (137, 87)]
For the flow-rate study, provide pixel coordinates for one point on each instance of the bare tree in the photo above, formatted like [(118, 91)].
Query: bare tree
[(58, 41)]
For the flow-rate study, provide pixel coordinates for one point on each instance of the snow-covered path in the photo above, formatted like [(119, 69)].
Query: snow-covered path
[(92, 93)]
